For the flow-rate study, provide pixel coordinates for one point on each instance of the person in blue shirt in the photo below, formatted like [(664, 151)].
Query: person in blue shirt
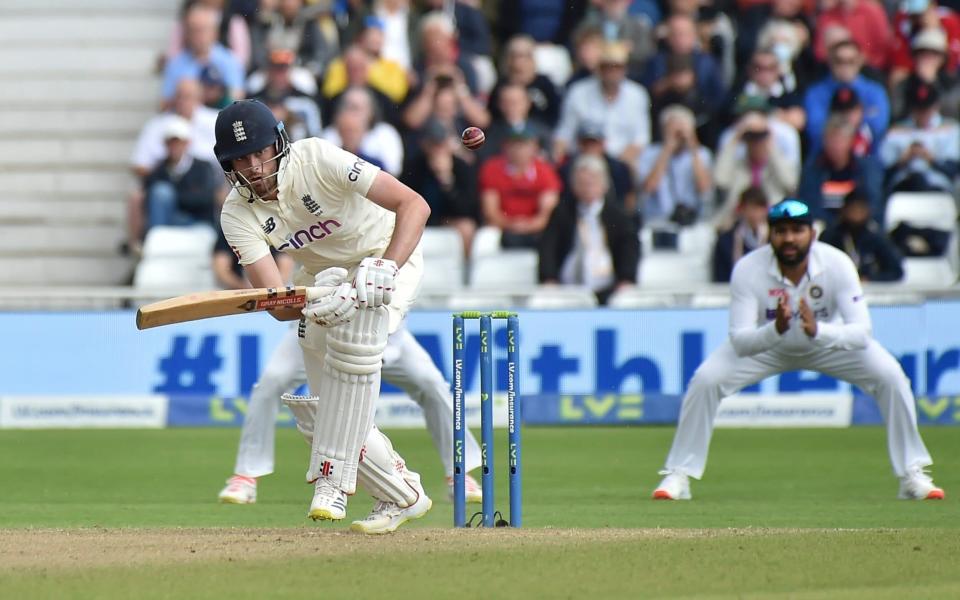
[(846, 60), (201, 50)]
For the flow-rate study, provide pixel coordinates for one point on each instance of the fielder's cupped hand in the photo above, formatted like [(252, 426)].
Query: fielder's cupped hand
[(375, 282), (808, 319), (337, 307), (784, 314)]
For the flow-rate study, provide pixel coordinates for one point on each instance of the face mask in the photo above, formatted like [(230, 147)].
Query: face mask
[(783, 52)]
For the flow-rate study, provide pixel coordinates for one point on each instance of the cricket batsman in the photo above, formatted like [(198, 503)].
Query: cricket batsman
[(797, 304), (353, 227)]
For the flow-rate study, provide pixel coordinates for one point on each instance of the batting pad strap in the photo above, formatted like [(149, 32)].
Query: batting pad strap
[(348, 390), (381, 471), (304, 410)]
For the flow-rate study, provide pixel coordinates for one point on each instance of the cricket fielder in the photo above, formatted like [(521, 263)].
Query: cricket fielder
[(405, 364), (797, 304), (352, 227)]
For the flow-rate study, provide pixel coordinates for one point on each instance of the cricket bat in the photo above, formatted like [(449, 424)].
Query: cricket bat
[(205, 305)]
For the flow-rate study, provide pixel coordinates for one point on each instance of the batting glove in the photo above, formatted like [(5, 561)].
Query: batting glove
[(374, 282), (335, 308)]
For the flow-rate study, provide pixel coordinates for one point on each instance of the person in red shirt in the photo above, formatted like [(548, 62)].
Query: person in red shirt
[(519, 190), (867, 23), (913, 17)]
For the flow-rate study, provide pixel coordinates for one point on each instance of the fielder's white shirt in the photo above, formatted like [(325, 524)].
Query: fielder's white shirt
[(830, 286), (322, 217)]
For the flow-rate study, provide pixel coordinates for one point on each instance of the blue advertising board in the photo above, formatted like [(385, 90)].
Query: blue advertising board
[(610, 366)]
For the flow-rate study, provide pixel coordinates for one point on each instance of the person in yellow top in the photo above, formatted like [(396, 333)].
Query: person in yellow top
[(363, 64)]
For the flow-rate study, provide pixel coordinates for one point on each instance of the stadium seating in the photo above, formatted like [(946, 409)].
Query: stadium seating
[(493, 268), (557, 297), (80, 84), (936, 211), (442, 253), (176, 258)]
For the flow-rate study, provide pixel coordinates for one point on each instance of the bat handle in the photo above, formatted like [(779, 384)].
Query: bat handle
[(317, 292)]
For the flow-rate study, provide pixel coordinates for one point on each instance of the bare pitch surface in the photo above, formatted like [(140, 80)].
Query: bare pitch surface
[(431, 563), (804, 513)]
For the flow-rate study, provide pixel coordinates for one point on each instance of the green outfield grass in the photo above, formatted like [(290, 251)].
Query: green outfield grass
[(804, 513)]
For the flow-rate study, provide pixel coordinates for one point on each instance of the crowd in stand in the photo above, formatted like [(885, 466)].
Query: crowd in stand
[(602, 117)]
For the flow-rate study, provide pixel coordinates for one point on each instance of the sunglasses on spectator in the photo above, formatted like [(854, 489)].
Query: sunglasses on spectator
[(765, 66), (612, 65)]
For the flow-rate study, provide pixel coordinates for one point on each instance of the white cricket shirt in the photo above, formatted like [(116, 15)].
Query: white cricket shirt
[(830, 286), (322, 217)]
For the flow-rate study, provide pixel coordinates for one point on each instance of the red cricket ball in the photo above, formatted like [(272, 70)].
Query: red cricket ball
[(472, 137)]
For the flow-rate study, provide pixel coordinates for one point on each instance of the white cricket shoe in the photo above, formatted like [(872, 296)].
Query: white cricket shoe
[(387, 516), (473, 492), (329, 502), (918, 485), (675, 486), (240, 490)]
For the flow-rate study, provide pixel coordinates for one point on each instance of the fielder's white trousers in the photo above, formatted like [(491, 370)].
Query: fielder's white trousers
[(405, 364), (873, 369)]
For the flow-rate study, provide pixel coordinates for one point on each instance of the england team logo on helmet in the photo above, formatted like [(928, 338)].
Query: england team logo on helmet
[(238, 133)]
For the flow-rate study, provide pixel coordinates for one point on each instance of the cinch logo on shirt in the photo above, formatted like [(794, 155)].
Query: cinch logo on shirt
[(310, 234), (354, 173)]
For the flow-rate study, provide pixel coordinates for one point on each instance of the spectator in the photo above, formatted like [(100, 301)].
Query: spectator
[(290, 26), (201, 49), (789, 40), (592, 242), (399, 27), (922, 152), (845, 64), (363, 63), (280, 87), (440, 53), (867, 23), (296, 128), (358, 70), (716, 33), (765, 78), (214, 88), (679, 87), (785, 138), (518, 191), (911, 20), (546, 21), (613, 19), (929, 65), (875, 256), (234, 33), (519, 68), (443, 68), (846, 103), (675, 175), (747, 233), (150, 150), (587, 49), (473, 33), (380, 142), (590, 143), (749, 159), (622, 105), (681, 42), (835, 171), (446, 182), (181, 190), (473, 38), (514, 113)]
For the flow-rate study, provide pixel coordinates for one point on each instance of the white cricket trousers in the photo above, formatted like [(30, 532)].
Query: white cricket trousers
[(873, 369), (405, 364)]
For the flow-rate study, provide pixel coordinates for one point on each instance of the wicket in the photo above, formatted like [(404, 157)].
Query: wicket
[(486, 415)]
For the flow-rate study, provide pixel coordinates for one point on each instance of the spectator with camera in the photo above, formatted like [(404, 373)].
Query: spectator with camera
[(675, 176), (922, 152)]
